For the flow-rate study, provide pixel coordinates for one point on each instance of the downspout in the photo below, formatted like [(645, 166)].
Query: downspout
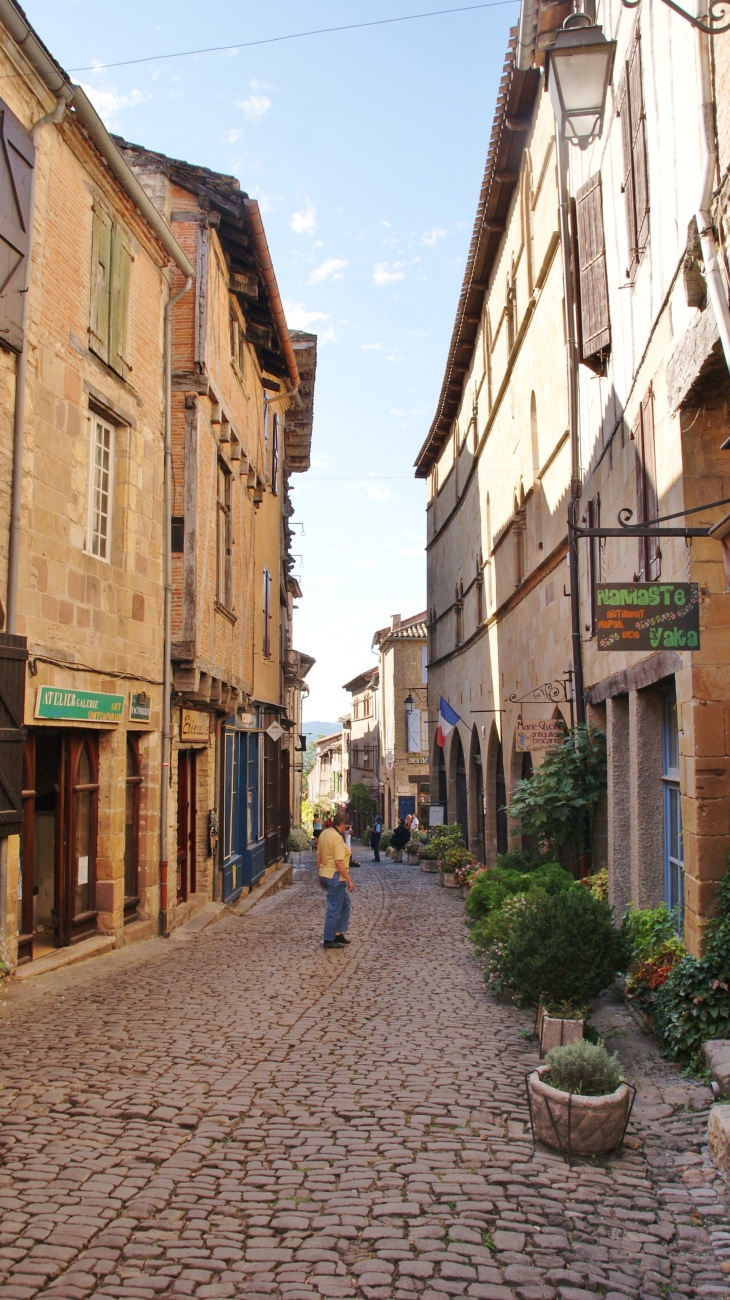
[(708, 242), (571, 350), (16, 488), (20, 384), (167, 616)]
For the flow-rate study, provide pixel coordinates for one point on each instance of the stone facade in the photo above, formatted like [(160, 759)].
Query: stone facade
[(364, 736), (404, 745), (498, 464)]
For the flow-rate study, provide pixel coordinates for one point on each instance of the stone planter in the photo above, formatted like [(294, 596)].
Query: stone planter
[(575, 1125), (413, 859), (554, 1031), (448, 879), (429, 864)]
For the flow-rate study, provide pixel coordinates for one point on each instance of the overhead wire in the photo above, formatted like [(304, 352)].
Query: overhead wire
[(294, 36)]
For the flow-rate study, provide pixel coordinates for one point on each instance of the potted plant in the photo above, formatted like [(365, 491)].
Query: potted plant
[(559, 1023), (428, 857), (579, 1103), (453, 859)]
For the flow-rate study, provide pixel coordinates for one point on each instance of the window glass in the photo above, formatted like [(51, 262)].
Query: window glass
[(83, 835), (100, 489)]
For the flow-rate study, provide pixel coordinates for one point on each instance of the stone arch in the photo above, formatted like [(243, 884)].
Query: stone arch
[(457, 771), (496, 826), (439, 785), (475, 789)]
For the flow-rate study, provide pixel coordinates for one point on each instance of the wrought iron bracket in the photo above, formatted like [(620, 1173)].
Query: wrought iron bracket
[(717, 12), (648, 528)]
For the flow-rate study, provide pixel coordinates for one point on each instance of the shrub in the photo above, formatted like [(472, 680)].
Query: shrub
[(584, 1068), (456, 857), (492, 887), (598, 884), (447, 837), (565, 946), (521, 859), (385, 839), (298, 840), (693, 1004), (649, 929), (429, 852), (557, 802)]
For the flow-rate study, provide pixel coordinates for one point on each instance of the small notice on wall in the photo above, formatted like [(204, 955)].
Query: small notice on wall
[(539, 735), (194, 726), (648, 616), (83, 876)]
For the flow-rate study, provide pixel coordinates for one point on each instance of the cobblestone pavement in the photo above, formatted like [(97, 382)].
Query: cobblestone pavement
[(246, 1114)]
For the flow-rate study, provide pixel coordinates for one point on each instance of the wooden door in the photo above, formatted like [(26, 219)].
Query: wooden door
[(80, 794), (186, 803)]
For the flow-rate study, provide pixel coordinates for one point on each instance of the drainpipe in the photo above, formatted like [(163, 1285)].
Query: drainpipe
[(715, 286), (167, 617), (19, 415), (571, 350)]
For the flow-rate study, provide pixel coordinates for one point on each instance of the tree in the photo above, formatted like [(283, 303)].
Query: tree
[(361, 804), (556, 804)]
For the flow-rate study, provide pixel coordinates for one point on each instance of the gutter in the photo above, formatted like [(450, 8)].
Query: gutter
[(526, 35), (267, 272)]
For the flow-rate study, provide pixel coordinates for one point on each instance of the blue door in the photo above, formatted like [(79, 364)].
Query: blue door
[(406, 805), (242, 846), (254, 852)]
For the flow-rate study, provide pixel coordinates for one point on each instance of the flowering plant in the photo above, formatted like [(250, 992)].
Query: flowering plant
[(456, 858), (466, 875)]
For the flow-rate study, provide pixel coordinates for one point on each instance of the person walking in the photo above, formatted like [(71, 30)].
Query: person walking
[(415, 824), (333, 871), (375, 835), (317, 828), (401, 836)]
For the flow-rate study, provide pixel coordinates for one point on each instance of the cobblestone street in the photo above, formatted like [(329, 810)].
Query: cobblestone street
[(245, 1114)]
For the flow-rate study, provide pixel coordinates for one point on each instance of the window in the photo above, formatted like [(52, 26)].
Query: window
[(592, 518), (673, 847), (101, 474), (238, 343), (111, 259), (459, 613), (131, 827), (224, 577), (635, 178), (275, 458), (17, 158), (650, 556), (267, 615), (518, 533), (593, 318)]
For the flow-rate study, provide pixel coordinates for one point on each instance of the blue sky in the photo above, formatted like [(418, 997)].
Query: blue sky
[(366, 151)]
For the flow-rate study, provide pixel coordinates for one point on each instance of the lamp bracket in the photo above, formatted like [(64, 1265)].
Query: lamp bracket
[(649, 528), (718, 10)]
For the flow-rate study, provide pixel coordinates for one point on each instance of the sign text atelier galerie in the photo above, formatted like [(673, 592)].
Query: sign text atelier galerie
[(648, 616)]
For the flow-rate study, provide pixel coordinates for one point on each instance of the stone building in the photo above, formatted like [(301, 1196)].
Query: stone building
[(403, 720), (653, 391), (327, 781), (235, 378), (364, 736)]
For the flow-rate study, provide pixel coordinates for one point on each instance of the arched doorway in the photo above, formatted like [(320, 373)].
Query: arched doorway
[(459, 769), (500, 791), (478, 834), (442, 792)]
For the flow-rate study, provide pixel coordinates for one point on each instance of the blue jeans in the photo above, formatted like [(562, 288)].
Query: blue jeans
[(338, 906)]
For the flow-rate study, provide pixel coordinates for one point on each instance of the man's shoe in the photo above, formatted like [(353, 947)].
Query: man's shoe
[(355, 864), (341, 940), (331, 943)]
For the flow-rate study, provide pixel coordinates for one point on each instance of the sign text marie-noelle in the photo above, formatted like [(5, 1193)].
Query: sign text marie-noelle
[(648, 616)]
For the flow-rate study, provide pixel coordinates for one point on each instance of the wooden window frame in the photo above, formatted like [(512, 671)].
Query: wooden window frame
[(635, 184), (133, 783), (93, 513), (224, 536)]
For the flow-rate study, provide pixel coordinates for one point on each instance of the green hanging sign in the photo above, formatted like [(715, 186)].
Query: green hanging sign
[(78, 706), (648, 616)]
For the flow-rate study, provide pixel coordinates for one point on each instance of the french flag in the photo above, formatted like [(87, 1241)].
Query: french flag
[(448, 719)]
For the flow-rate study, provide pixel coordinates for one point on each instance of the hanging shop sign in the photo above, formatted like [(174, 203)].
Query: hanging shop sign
[(194, 726), (140, 707), (78, 706), (648, 616), (417, 760), (275, 731), (539, 735)]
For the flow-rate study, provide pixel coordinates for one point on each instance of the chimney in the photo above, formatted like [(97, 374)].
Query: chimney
[(394, 622)]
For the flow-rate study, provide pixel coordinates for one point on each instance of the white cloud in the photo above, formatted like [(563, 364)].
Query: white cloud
[(433, 236), (411, 552), (332, 269), (298, 318), (377, 494), (109, 102), (233, 136), (382, 274), (371, 347), (255, 105), (305, 222)]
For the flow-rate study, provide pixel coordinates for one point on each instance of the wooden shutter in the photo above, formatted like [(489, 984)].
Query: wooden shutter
[(101, 268), (121, 258), (594, 317), (650, 559), (17, 159), (13, 656), (638, 146)]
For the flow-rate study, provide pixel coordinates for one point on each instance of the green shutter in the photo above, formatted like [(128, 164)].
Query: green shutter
[(121, 258), (101, 238)]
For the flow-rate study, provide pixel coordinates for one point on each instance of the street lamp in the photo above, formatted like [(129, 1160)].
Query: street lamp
[(579, 70), (410, 703)]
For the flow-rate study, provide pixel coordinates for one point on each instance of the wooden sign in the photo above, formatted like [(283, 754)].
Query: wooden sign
[(648, 616), (78, 706), (539, 735), (194, 726), (140, 707)]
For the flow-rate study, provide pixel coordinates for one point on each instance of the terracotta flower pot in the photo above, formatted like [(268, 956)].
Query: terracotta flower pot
[(576, 1125)]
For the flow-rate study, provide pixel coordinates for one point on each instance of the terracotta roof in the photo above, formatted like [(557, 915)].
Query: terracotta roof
[(413, 632), (512, 119), (362, 680)]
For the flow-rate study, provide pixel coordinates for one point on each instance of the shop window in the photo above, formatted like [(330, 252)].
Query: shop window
[(111, 260), (673, 846), (100, 488), (131, 827), (224, 579)]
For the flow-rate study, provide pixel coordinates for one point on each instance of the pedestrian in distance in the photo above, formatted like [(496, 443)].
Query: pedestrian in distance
[(317, 826), (409, 821), (415, 824), (333, 872), (375, 835), (401, 836)]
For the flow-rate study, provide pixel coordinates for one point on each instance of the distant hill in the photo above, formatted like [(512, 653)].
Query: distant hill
[(314, 729)]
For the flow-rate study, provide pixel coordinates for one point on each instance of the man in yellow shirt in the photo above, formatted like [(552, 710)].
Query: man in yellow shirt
[(333, 869)]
